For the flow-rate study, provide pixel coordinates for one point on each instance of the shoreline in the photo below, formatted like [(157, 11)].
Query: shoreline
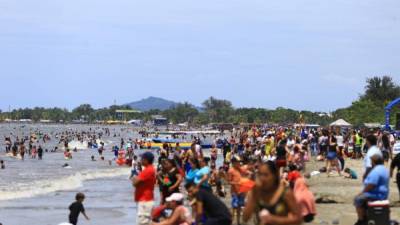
[(110, 201), (110, 198), (106, 203)]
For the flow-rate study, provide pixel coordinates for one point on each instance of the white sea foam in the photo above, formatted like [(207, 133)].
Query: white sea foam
[(78, 145), (67, 183), (83, 145)]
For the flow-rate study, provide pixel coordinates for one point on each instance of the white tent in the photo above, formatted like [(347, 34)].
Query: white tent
[(340, 123)]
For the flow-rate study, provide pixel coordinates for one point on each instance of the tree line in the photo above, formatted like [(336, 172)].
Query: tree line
[(369, 107)]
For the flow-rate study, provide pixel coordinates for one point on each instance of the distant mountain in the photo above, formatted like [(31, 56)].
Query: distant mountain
[(152, 103)]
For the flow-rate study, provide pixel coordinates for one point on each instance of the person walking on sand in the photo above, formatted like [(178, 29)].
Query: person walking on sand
[(144, 183), (332, 156), (234, 177), (76, 208)]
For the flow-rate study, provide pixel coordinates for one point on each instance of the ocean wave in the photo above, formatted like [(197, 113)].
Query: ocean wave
[(83, 145), (67, 183)]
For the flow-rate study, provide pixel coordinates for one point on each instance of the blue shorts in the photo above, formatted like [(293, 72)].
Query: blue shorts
[(238, 200), (361, 201), (331, 155)]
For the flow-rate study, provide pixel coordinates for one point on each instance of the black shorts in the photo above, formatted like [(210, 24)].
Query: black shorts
[(385, 155), (218, 221), (309, 218)]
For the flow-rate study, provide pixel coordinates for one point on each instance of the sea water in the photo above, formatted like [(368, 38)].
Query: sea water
[(39, 191)]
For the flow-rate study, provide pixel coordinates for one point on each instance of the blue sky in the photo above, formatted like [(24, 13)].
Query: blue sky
[(304, 54)]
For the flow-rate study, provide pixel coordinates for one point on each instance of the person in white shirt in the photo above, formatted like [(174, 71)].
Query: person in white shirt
[(339, 139), (372, 142), (290, 142)]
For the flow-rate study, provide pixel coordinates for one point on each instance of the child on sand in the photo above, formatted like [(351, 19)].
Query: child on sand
[(349, 173), (76, 208)]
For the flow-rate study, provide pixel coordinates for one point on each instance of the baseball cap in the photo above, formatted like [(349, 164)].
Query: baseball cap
[(177, 197)]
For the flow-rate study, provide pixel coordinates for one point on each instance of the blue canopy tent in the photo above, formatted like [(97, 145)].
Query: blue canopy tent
[(388, 108)]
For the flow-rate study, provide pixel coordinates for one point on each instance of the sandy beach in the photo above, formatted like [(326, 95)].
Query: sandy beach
[(105, 102), (343, 192)]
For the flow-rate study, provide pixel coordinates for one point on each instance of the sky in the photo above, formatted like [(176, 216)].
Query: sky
[(304, 54)]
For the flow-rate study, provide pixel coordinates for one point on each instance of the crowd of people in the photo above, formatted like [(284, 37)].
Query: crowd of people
[(266, 172), (19, 146), (255, 174)]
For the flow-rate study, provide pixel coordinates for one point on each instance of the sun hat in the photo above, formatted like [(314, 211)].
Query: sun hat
[(176, 197)]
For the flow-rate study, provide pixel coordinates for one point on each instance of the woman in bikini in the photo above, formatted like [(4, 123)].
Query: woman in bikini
[(271, 200)]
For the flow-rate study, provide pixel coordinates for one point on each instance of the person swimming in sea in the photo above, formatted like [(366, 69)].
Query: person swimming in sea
[(66, 166)]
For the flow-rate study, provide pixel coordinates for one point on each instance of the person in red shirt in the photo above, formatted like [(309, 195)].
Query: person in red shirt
[(144, 193)]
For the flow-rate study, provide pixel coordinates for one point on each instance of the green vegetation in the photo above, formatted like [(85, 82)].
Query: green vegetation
[(369, 108), (379, 91)]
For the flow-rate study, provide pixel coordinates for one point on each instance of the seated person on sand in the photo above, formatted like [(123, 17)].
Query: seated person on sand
[(376, 188), (180, 214)]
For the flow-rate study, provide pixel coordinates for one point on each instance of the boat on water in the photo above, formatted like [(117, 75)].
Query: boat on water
[(188, 132), (169, 137), (157, 143)]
